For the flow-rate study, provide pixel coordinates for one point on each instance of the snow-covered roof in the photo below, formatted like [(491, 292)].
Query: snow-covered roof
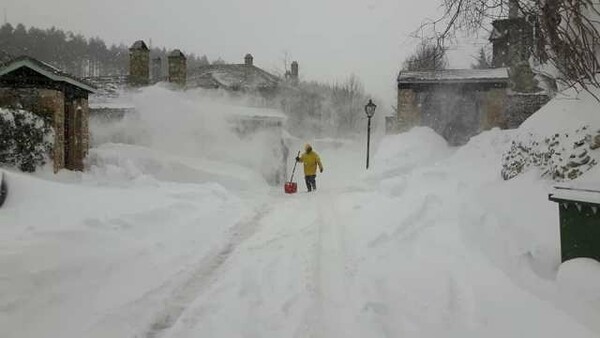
[(455, 76), (588, 194), (176, 53), (108, 86), (235, 76), (46, 70), (139, 45)]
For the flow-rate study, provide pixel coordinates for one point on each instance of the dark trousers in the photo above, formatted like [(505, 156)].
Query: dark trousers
[(311, 183)]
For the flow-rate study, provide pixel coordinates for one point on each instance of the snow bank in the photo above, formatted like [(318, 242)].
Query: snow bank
[(467, 248), (431, 242), (73, 253), (568, 111), (561, 140), (406, 151), (580, 277)]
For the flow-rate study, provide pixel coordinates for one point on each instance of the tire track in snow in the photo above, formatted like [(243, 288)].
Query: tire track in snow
[(329, 315), (202, 276)]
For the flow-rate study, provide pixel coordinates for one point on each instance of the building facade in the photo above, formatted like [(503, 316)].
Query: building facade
[(457, 104), (460, 103), (37, 87)]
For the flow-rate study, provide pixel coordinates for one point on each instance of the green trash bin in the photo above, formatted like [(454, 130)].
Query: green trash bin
[(579, 212)]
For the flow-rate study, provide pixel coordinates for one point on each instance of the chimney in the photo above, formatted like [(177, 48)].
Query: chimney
[(156, 70), (139, 64), (294, 70), (248, 60), (177, 68), (513, 9)]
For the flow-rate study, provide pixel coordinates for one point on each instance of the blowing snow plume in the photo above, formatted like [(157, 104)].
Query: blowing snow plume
[(191, 137)]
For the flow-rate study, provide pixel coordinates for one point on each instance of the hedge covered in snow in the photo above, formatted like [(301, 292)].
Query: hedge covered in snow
[(26, 139), (562, 156)]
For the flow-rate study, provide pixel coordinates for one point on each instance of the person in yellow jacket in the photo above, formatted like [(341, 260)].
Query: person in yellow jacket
[(311, 160)]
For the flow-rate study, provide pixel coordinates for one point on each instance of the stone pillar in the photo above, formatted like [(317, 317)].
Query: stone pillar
[(139, 64), (248, 60), (409, 112), (157, 70), (177, 68)]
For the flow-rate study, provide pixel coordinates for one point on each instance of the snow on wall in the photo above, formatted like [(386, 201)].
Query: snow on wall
[(561, 140)]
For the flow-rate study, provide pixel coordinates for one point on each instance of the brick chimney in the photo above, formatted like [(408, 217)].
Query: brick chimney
[(139, 64), (177, 67), (248, 60)]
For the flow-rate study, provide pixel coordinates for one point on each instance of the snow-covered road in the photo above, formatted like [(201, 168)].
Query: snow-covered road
[(430, 243)]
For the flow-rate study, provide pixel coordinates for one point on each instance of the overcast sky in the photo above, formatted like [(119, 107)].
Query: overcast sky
[(330, 39)]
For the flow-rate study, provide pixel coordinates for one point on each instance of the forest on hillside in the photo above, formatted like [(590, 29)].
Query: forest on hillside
[(74, 53)]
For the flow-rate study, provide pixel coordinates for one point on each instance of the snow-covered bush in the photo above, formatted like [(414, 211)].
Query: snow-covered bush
[(25, 139), (564, 156)]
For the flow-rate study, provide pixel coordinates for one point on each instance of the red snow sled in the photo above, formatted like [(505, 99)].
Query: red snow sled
[(291, 187)]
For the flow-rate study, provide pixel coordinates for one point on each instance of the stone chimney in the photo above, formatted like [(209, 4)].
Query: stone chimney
[(248, 60), (139, 64), (177, 68), (157, 70), (294, 73), (513, 9)]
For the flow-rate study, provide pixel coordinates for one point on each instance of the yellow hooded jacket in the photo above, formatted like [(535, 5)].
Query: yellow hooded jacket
[(311, 160)]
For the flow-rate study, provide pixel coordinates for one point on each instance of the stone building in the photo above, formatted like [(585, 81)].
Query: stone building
[(177, 68), (244, 77), (460, 103), (512, 41), (457, 104), (139, 64), (42, 89)]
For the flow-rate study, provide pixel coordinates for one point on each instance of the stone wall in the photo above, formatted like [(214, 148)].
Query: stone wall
[(494, 105), (70, 150), (409, 111), (456, 112), (43, 102), (520, 106)]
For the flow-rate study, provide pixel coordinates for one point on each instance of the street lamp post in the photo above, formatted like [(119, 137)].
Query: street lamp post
[(370, 111)]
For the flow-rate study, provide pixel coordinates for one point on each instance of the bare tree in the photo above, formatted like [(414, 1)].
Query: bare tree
[(565, 31), (429, 56)]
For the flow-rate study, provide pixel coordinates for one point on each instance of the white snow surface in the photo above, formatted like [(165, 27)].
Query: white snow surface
[(568, 111), (580, 278), (151, 242)]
